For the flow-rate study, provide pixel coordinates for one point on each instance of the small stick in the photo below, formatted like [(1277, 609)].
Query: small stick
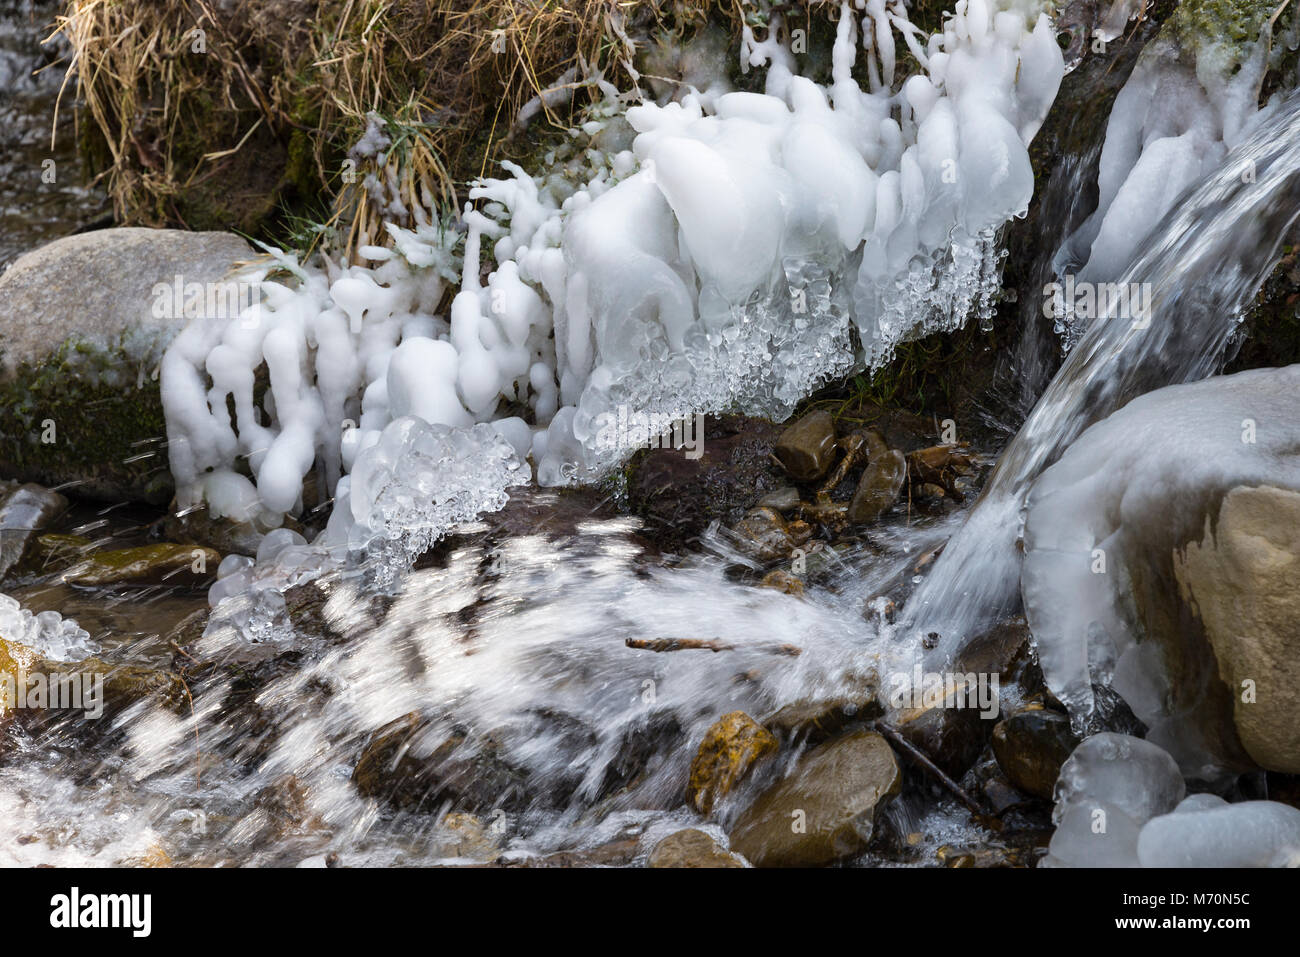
[(919, 756), (700, 644)]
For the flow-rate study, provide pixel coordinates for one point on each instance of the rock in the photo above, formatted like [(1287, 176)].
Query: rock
[(1031, 746), (765, 535), (225, 535), (783, 499), (783, 581), (468, 837), (411, 764), (941, 466), (1243, 582), (78, 395), (730, 749), (814, 719), (679, 497), (692, 848), (807, 448), (824, 810), (24, 511), (146, 564), (880, 484)]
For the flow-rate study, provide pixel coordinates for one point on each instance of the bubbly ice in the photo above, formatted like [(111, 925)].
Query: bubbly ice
[(1133, 775), (48, 633)]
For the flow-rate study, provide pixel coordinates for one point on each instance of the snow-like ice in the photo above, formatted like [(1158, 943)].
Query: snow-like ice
[(725, 260), (1119, 803)]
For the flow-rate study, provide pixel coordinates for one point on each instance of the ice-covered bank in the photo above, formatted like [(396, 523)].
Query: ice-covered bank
[(739, 251)]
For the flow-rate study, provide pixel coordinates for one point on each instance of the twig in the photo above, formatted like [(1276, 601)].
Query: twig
[(701, 644), (920, 757)]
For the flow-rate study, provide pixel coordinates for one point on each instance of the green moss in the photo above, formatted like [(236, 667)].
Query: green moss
[(106, 411)]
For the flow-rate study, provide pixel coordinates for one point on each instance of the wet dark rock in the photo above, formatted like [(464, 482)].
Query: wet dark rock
[(693, 849), (731, 747), (410, 764), (950, 737), (881, 482), (1031, 746), (679, 497), (1110, 712), (24, 511), (824, 810), (807, 448)]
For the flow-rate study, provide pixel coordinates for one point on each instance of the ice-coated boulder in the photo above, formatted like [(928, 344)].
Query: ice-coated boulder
[(1177, 496)]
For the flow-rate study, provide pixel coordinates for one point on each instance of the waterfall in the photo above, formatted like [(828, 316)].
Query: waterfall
[(1203, 264)]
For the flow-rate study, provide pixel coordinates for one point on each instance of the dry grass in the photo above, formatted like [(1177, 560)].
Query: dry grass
[(286, 87)]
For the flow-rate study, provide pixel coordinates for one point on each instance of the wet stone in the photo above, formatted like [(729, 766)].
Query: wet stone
[(807, 448), (1031, 746), (692, 848), (730, 749), (824, 811)]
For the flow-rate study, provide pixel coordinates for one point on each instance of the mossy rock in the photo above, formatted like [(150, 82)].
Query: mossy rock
[(79, 396)]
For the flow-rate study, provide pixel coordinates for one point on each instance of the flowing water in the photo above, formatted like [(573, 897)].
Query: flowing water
[(1205, 264)]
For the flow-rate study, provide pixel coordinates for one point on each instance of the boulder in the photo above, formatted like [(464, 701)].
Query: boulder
[(86, 320), (824, 810), (1243, 582)]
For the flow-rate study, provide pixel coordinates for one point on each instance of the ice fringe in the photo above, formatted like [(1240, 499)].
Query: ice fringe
[(745, 249)]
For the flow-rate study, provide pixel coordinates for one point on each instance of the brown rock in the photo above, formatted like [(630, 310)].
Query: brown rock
[(824, 810), (692, 848), (807, 447), (881, 482), (730, 749)]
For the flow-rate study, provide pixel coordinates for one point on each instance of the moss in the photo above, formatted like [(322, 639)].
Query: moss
[(106, 412)]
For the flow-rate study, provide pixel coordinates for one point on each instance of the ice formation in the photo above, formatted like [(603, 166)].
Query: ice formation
[(1205, 831), (1130, 490), (49, 634), (1191, 98), (728, 258), (1119, 803)]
